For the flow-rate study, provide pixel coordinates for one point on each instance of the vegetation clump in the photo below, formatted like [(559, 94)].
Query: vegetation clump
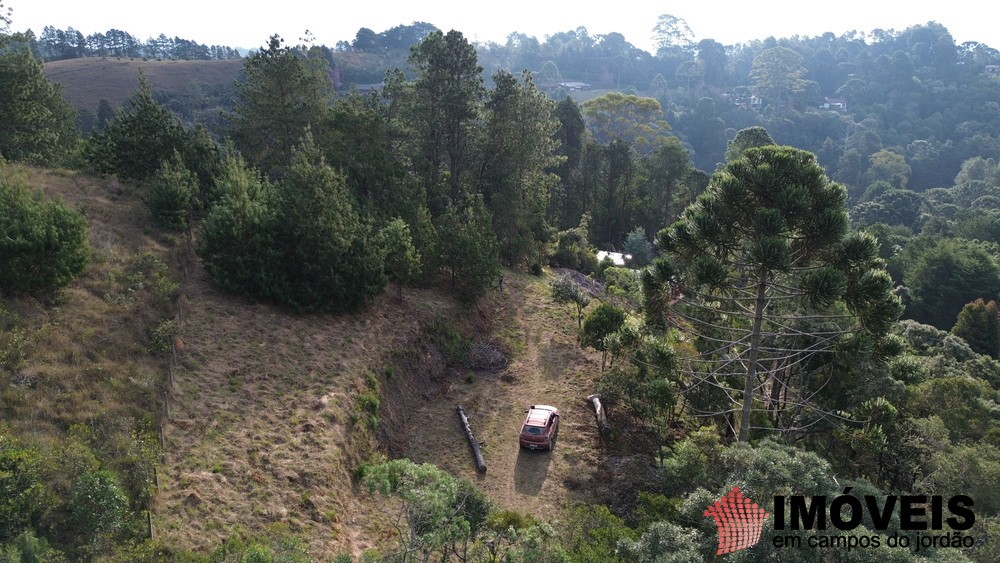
[(43, 243)]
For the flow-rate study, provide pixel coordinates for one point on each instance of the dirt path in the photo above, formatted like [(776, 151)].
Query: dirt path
[(547, 368)]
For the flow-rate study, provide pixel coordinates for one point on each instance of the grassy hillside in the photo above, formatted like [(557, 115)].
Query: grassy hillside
[(270, 413), (82, 371), (267, 424), (86, 81), (90, 351)]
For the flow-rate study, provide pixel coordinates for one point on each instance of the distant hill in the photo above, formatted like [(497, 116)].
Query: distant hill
[(86, 81)]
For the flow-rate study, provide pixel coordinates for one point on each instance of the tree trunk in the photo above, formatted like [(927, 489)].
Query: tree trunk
[(758, 316), (602, 420), (476, 452)]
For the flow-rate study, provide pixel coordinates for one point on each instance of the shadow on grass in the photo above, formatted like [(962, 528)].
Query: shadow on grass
[(530, 471)]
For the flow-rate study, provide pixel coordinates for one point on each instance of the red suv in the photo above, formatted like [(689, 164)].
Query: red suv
[(540, 428)]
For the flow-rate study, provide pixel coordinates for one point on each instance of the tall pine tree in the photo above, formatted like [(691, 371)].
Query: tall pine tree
[(764, 272), (282, 92), (517, 182), (448, 99)]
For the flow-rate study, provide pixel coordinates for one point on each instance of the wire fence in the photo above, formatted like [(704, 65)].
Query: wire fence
[(168, 388)]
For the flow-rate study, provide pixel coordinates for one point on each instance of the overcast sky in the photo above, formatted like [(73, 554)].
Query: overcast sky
[(249, 23)]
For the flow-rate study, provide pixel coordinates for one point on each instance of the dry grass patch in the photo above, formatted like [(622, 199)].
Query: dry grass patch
[(86, 81), (88, 347), (272, 412)]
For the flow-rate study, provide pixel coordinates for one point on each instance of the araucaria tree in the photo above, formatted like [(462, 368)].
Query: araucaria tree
[(763, 270)]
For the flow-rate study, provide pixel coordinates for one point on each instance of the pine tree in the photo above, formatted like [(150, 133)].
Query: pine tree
[(329, 261), (763, 270), (448, 98), (282, 93), (236, 238), (360, 140), (172, 192), (43, 243), (402, 261), (36, 123), (138, 140), (570, 202), (517, 182), (300, 243), (105, 113), (469, 249)]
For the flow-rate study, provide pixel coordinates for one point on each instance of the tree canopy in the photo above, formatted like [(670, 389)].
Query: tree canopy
[(636, 120), (772, 230), (281, 94), (43, 243), (36, 123)]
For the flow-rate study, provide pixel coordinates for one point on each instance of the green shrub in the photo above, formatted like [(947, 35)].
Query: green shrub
[(22, 491), (43, 244), (142, 276), (449, 340), (28, 548), (275, 543), (162, 340), (14, 342), (573, 250), (369, 402), (605, 319), (172, 191), (97, 505), (592, 533), (301, 244)]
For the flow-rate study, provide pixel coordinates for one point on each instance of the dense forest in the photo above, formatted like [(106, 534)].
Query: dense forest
[(54, 44), (809, 304)]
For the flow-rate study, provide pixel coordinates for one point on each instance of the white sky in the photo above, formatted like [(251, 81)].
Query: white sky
[(248, 24)]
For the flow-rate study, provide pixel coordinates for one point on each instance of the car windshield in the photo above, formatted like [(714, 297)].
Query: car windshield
[(533, 430)]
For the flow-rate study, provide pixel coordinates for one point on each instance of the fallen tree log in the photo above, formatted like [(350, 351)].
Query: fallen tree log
[(476, 452), (602, 419)]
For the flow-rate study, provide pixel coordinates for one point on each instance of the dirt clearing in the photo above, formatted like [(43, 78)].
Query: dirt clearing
[(547, 367)]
